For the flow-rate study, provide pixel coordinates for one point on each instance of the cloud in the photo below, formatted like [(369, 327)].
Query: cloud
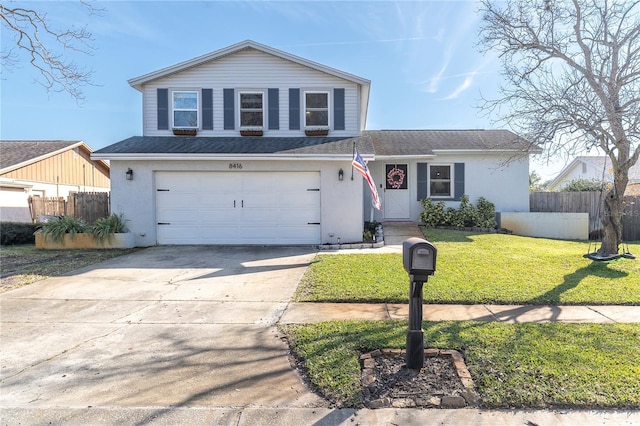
[(466, 84)]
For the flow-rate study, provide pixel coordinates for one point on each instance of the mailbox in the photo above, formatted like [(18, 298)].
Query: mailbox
[(419, 257)]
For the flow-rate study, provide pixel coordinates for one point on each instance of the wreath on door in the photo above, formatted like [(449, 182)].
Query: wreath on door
[(395, 178)]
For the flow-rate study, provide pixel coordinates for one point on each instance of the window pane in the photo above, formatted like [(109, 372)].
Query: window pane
[(249, 118), (251, 100), (317, 118), (185, 118), (317, 100), (439, 189), (440, 172), (185, 100)]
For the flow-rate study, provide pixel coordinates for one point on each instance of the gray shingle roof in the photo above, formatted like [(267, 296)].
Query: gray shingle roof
[(238, 145), (17, 152), (425, 142), (378, 142)]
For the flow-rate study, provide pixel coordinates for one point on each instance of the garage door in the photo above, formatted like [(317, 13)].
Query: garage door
[(238, 207)]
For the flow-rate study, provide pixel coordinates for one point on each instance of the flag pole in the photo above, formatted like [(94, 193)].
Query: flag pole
[(353, 155)]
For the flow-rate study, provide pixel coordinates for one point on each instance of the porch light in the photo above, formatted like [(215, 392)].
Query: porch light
[(129, 174), (340, 175)]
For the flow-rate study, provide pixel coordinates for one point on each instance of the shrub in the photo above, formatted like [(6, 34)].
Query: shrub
[(483, 214), (433, 214), (105, 227), (486, 213), (56, 228), (582, 185), (17, 233)]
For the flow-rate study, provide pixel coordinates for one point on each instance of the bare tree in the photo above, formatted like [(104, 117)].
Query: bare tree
[(572, 82), (46, 48)]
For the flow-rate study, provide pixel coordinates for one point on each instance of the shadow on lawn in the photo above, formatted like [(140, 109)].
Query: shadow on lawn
[(572, 280)]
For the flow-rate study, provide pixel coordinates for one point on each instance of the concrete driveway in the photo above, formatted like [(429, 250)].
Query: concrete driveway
[(163, 327)]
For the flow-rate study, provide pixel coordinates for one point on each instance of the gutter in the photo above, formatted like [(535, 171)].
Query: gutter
[(227, 157)]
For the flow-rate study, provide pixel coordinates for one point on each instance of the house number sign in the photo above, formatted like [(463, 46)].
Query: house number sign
[(236, 166)]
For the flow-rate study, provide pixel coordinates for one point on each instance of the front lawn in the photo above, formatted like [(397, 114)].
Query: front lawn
[(512, 365), (479, 268)]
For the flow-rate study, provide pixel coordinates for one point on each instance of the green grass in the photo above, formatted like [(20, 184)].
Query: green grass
[(479, 268), (512, 365)]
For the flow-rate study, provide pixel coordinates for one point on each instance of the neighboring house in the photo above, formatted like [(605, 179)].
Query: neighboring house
[(252, 145), (45, 169), (596, 168)]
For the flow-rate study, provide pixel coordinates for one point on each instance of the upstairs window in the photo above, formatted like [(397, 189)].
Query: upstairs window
[(185, 110), (316, 109), (251, 109), (440, 181)]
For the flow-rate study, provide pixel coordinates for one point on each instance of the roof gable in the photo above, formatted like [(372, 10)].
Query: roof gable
[(599, 163), (138, 82), (17, 154)]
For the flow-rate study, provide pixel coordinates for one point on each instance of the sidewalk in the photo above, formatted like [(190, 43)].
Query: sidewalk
[(316, 312)]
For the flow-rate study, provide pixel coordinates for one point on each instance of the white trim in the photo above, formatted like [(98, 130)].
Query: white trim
[(484, 151), (329, 104), (260, 92), (174, 109), (227, 157), (451, 181)]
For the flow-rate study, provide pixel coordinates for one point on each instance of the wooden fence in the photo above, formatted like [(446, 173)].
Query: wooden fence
[(589, 202), (88, 206)]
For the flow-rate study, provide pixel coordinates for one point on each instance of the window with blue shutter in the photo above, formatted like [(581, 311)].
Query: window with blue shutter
[(338, 109), (274, 108), (229, 113), (163, 109), (294, 109), (207, 109)]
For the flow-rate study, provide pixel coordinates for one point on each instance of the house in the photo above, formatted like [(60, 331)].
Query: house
[(46, 169), (253, 145), (596, 168)]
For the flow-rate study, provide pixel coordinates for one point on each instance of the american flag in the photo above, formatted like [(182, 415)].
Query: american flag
[(359, 164)]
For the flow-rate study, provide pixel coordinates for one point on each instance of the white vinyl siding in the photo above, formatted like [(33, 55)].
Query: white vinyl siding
[(251, 70)]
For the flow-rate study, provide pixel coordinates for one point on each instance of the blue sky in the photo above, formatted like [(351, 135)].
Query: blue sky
[(425, 69)]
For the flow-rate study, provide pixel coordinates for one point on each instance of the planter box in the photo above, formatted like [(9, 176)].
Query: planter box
[(85, 241), (251, 132), (316, 132), (185, 132)]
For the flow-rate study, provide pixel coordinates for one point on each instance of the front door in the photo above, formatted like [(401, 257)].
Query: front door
[(396, 193)]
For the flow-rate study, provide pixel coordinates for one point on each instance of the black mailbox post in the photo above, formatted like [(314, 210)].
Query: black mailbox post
[(419, 260)]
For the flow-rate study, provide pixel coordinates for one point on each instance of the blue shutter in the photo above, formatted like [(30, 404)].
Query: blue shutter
[(274, 109), (163, 109), (423, 181), (229, 113), (207, 109), (458, 176), (294, 109), (338, 109)]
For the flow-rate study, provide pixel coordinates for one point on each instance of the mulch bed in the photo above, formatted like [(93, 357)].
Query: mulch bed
[(443, 382)]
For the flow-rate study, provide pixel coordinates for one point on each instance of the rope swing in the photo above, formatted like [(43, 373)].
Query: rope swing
[(595, 255)]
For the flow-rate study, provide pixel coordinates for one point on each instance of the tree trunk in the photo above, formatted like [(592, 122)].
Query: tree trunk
[(612, 222)]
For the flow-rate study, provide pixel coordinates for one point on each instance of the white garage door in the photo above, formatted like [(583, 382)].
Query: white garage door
[(238, 207)]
